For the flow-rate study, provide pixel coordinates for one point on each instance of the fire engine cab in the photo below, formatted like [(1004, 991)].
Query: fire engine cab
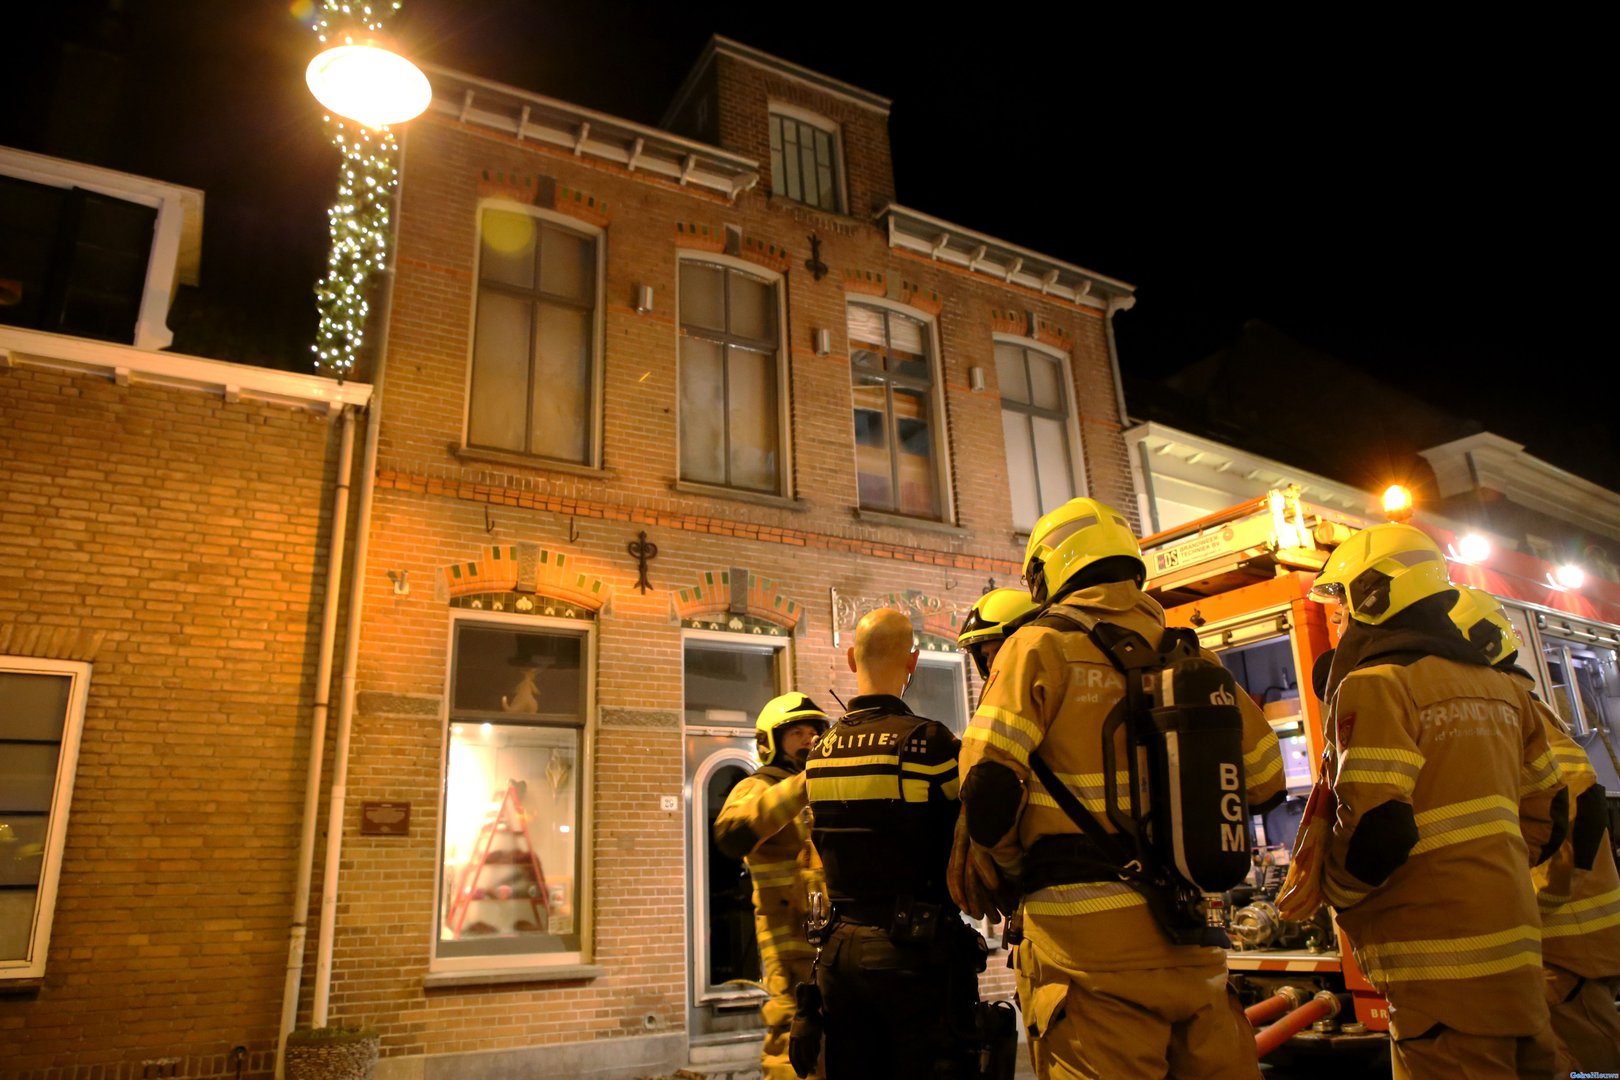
[(1241, 578)]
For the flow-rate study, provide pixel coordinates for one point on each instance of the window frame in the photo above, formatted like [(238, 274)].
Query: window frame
[(585, 899), (952, 659), (943, 473), (598, 325), (835, 134), (1077, 455), (784, 453), (67, 763)]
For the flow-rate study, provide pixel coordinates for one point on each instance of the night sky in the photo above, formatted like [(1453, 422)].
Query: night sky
[(1418, 198)]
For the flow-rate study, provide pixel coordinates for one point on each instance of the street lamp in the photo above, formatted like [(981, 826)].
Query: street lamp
[(369, 82)]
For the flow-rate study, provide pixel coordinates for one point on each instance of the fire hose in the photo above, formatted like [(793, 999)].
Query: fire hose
[(1319, 1007), (1289, 997)]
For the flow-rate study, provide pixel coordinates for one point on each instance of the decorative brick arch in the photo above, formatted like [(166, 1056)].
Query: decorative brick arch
[(527, 569), (720, 598)]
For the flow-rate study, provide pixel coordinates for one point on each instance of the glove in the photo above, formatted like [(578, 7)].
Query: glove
[(972, 878)]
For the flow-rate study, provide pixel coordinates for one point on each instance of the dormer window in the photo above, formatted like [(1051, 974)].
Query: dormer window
[(806, 159)]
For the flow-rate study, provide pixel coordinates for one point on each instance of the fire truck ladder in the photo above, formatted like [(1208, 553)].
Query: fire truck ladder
[(506, 817)]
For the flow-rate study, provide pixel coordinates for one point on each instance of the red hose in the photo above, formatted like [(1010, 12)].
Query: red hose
[(1270, 1008), (1319, 1007)]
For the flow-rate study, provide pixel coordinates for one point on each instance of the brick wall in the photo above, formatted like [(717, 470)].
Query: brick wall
[(191, 532)]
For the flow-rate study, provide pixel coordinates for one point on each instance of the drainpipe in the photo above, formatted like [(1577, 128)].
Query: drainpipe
[(317, 737), (1117, 303), (351, 655)]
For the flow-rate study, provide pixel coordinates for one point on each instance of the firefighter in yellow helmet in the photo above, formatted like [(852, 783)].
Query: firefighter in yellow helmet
[(1103, 990), (766, 822), (993, 616), (1578, 889), (1447, 793)]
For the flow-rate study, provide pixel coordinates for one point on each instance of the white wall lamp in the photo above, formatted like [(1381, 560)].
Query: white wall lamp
[(644, 299), (821, 341)]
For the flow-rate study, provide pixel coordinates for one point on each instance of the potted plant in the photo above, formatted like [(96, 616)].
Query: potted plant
[(332, 1053)]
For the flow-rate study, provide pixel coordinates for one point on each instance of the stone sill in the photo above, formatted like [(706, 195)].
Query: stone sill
[(528, 461), (758, 498), (900, 521), (446, 980)]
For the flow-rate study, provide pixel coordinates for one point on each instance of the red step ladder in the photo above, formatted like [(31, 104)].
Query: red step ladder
[(506, 817)]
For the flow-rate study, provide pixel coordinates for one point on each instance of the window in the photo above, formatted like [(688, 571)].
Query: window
[(804, 160), (730, 373), (533, 371), (897, 457), (41, 716), (76, 259), (1035, 421), (511, 892), (938, 689), (1582, 673)]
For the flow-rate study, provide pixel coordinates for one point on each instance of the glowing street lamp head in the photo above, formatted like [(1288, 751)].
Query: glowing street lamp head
[(1397, 503), (1473, 548), (1569, 576), (369, 83)]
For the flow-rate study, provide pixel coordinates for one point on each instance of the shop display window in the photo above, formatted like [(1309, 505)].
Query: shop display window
[(514, 797)]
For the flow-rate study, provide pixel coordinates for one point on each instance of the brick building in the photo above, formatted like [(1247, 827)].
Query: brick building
[(658, 413)]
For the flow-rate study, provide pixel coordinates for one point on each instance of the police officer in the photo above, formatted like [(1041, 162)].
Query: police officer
[(1578, 889), (1447, 791), (898, 970), (765, 822), (1103, 990)]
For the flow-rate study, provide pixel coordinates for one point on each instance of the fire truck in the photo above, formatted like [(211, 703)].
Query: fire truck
[(1241, 578)]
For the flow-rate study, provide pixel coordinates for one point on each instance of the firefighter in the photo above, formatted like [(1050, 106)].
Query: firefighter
[(991, 618), (1103, 990), (1447, 792), (1578, 889), (898, 970), (765, 822)]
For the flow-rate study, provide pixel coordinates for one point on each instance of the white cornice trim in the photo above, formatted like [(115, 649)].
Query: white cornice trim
[(586, 133), (124, 364), (956, 245), (1487, 460)]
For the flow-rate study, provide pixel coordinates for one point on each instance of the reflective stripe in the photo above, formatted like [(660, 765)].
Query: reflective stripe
[(1574, 764), (1340, 896), (1260, 753), (1016, 751), (1010, 720), (822, 764), (952, 788), (1271, 753), (1455, 824), (853, 787), (1380, 765), (1585, 916), (927, 770), (914, 790), (1083, 899), (1453, 958), (1539, 775), (1087, 787), (1393, 757), (1406, 785), (1005, 729)]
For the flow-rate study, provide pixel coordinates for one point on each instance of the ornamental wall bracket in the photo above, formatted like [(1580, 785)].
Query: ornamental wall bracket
[(643, 552), (817, 268)]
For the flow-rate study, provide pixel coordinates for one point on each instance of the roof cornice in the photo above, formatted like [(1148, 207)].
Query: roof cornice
[(998, 260), (1487, 460), (589, 134)]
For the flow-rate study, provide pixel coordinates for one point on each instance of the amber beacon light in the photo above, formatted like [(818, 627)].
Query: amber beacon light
[(1397, 503), (369, 82)]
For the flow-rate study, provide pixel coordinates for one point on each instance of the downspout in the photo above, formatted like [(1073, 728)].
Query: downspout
[(317, 739), (1118, 303), (351, 642)]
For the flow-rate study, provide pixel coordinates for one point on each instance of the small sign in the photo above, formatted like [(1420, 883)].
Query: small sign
[(385, 818)]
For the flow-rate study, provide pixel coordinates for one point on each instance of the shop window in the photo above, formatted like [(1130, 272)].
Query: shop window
[(41, 717), (898, 449), (731, 422), (938, 690), (534, 378), (1037, 422), (805, 156), (511, 890)]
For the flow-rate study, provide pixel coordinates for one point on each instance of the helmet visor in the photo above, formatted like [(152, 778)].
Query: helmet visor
[(1328, 592)]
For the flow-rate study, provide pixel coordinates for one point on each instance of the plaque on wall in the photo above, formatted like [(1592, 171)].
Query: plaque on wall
[(385, 818)]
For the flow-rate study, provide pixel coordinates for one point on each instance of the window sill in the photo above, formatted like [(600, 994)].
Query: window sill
[(22, 987), (758, 498), (782, 202), (878, 517), (529, 461), (446, 980)]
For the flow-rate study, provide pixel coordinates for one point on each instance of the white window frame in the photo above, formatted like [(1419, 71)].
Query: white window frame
[(834, 130), (702, 991), (1077, 459), (942, 467), (784, 457), (585, 770), (958, 661), (33, 967), (598, 327)]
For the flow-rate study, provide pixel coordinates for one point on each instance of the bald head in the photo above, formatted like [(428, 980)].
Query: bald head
[(882, 656)]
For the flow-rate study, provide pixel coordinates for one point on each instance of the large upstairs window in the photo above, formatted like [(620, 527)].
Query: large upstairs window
[(1037, 422), (731, 422), (805, 159), (898, 449), (534, 378)]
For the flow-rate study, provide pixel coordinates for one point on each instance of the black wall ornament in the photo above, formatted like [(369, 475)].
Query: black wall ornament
[(643, 552)]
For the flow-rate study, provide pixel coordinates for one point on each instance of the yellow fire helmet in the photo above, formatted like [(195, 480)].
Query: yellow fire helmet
[(778, 713), (988, 619), (1381, 571), (1480, 617), (1076, 535)]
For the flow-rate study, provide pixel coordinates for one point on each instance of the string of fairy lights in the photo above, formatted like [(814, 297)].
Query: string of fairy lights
[(358, 221)]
